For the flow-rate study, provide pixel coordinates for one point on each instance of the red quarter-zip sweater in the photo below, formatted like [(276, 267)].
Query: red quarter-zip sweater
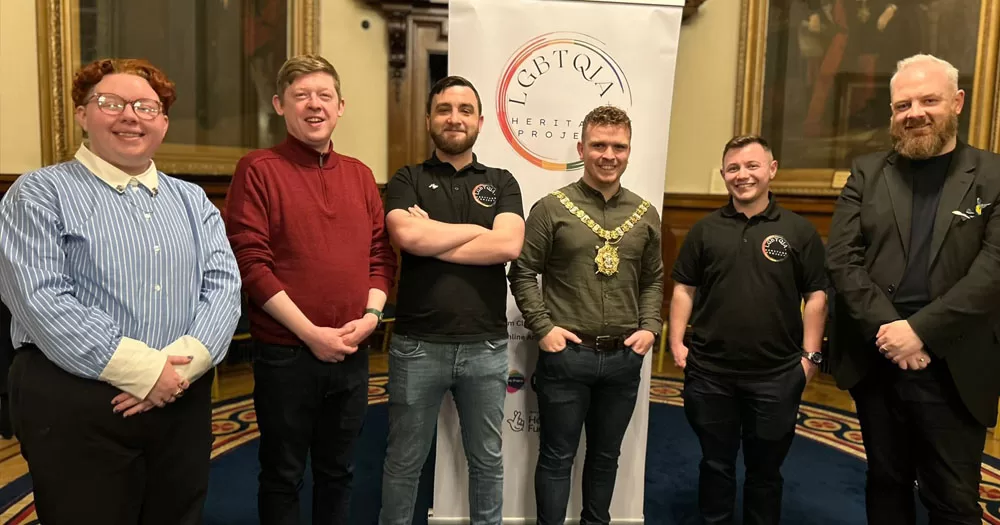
[(312, 225)]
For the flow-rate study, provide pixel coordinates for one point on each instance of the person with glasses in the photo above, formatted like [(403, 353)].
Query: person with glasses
[(124, 294)]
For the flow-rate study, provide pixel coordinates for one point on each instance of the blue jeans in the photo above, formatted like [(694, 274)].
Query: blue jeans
[(581, 388), (420, 373)]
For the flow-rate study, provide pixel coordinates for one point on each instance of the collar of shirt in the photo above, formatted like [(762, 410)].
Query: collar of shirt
[(771, 213), (114, 177), (435, 164), (299, 152), (597, 195)]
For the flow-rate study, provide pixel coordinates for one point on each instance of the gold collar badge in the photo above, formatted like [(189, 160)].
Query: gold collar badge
[(607, 255)]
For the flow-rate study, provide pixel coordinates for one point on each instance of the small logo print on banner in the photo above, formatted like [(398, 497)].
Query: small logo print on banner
[(548, 85), (515, 381)]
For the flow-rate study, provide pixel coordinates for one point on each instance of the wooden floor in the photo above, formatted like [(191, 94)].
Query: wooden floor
[(237, 380)]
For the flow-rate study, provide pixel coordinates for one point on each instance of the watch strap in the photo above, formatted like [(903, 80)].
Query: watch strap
[(376, 311)]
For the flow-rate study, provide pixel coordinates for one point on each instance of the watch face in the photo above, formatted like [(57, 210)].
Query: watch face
[(816, 358)]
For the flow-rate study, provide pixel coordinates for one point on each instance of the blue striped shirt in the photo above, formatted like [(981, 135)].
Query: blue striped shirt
[(84, 265)]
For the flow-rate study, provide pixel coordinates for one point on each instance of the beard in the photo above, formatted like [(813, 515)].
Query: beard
[(455, 146), (923, 146)]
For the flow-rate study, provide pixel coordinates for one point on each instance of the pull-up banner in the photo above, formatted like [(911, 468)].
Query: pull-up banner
[(540, 66)]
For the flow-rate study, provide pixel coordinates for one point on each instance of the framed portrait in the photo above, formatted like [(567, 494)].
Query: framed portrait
[(223, 56), (814, 77)]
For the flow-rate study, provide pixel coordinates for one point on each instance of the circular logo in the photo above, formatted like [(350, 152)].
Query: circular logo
[(776, 248), (548, 85), (515, 381), (485, 195)]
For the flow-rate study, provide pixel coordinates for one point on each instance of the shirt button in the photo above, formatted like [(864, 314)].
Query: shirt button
[(157, 288), (456, 188), (146, 215), (156, 248), (891, 288)]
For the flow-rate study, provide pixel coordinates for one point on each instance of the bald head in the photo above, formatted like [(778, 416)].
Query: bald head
[(925, 67)]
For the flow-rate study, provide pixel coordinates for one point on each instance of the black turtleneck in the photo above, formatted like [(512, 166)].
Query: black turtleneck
[(926, 177)]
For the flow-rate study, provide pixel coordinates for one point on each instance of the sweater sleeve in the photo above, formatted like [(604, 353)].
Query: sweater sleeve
[(249, 234), (382, 262)]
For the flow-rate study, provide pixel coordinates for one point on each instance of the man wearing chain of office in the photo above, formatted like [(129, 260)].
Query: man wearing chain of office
[(597, 247)]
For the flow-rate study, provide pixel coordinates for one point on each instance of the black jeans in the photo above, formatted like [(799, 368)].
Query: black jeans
[(90, 465), (916, 428), (723, 410), (577, 386), (306, 406)]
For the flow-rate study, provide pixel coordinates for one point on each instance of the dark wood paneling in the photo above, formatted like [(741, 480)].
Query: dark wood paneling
[(681, 211)]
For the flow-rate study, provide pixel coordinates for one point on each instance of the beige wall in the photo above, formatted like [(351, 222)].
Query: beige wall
[(701, 120), (20, 146), (361, 56), (703, 115)]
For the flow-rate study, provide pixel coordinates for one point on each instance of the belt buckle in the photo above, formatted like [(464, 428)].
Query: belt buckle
[(601, 340)]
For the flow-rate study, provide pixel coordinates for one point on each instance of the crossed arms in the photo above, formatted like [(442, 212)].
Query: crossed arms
[(414, 231)]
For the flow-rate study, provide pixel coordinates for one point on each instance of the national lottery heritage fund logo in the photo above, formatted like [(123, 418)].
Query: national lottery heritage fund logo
[(548, 85)]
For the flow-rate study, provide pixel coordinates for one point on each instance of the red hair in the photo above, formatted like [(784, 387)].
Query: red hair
[(91, 74)]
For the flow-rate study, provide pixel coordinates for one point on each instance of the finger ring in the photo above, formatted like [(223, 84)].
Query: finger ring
[(922, 359)]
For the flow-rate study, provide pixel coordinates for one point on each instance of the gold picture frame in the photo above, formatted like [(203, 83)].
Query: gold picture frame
[(820, 165), (59, 54)]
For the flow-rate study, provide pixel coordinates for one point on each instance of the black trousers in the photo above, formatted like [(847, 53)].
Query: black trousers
[(580, 387), (760, 412), (916, 429), (307, 407), (90, 465)]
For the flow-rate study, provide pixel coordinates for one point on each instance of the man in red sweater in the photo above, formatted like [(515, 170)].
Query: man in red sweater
[(308, 231)]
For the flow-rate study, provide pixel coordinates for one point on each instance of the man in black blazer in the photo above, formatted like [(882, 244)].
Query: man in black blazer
[(914, 255)]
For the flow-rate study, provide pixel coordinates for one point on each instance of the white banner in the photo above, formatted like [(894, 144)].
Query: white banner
[(540, 66)]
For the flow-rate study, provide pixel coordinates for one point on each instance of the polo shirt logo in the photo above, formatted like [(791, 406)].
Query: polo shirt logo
[(775, 248), (485, 195)]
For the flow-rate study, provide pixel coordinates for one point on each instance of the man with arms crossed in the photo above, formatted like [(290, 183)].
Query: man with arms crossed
[(597, 247), (456, 222), (743, 272), (124, 294), (307, 227), (914, 254)]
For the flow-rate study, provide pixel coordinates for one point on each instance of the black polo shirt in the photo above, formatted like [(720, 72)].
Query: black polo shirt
[(439, 301), (750, 276)]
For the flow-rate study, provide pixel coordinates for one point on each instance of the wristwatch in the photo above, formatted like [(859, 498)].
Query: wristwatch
[(815, 357), (377, 312)]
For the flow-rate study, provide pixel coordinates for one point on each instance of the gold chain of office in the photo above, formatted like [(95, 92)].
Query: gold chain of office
[(607, 256)]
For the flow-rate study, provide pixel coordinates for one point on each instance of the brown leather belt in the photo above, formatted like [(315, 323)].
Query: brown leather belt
[(603, 343)]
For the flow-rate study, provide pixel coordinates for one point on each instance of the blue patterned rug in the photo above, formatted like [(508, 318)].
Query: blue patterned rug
[(824, 473)]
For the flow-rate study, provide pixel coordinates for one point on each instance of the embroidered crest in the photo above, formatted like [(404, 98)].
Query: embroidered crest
[(776, 248), (485, 195)]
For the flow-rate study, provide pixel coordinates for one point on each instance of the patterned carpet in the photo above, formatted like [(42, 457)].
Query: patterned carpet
[(234, 424)]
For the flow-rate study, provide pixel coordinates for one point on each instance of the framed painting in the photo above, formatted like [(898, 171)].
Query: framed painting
[(814, 77), (223, 55)]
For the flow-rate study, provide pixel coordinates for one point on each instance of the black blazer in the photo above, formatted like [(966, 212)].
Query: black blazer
[(867, 251)]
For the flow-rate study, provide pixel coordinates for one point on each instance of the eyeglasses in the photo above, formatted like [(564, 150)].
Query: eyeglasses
[(111, 104)]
